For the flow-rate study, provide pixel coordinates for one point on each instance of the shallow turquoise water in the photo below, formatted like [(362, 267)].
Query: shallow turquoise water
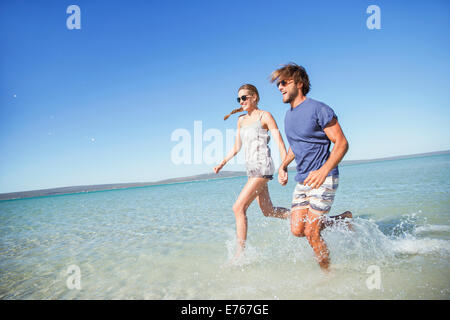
[(174, 241)]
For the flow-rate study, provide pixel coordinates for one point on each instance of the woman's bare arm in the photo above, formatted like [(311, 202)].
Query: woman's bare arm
[(236, 148), (268, 120)]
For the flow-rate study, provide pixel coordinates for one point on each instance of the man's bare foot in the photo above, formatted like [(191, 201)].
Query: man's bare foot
[(346, 214), (332, 220), (325, 265)]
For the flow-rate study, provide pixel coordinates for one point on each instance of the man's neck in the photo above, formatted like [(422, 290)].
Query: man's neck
[(299, 99)]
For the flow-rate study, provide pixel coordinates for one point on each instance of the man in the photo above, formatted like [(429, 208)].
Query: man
[(310, 128)]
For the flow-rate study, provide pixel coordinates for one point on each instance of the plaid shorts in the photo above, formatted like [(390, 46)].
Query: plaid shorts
[(319, 199)]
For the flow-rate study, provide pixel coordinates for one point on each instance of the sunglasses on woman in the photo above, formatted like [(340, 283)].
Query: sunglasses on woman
[(243, 98)]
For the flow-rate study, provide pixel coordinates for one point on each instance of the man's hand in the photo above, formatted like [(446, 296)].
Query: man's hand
[(282, 176), (282, 171), (315, 178)]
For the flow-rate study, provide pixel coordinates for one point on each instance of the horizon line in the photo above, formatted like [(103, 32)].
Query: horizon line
[(15, 195)]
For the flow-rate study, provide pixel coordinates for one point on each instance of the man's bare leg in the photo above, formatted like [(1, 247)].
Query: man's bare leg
[(298, 220), (313, 227)]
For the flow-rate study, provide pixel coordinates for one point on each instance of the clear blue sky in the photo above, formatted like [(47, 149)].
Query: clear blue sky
[(98, 105)]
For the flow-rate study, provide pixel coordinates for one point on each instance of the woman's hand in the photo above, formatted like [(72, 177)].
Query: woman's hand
[(282, 176), (219, 167), (283, 172)]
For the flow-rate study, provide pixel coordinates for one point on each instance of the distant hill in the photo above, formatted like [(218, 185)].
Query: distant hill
[(206, 176), (101, 187)]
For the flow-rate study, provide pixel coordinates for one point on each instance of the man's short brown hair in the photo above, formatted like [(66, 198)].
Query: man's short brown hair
[(293, 71)]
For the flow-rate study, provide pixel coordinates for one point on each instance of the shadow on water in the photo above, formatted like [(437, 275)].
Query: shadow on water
[(400, 226), (393, 238), (397, 226)]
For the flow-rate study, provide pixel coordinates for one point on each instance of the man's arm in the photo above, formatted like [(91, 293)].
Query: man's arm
[(334, 132)]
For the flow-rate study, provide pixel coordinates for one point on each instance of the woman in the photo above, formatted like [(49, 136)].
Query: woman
[(252, 134)]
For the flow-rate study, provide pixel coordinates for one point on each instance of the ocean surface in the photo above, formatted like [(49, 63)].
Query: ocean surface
[(175, 241)]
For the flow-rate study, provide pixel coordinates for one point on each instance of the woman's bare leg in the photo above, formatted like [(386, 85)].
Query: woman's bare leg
[(265, 203), (245, 198)]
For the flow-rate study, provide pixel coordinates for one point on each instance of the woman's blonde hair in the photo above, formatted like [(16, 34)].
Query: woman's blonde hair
[(250, 88)]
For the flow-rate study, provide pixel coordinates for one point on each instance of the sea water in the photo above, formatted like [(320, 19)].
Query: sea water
[(175, 241)]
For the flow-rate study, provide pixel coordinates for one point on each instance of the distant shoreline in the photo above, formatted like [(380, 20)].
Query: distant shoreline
[(206, 176), (115, 186), (416, 155)]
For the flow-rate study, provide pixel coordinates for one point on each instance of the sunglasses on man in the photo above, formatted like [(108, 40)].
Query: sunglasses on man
[(283, 83)]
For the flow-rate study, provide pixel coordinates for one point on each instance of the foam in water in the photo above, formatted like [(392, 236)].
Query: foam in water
[(432, 228), (249, 256), (412, 245), (366, 244)]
